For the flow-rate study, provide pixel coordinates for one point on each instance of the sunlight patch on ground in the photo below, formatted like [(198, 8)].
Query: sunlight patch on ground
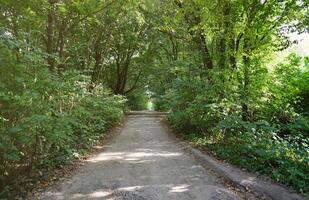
[(132, 156), (179, 188), (96, 194), (99, 194), (132, 188), (250, 180)]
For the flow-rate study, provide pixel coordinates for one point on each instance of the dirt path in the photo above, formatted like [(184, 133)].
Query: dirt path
[(142, 162)]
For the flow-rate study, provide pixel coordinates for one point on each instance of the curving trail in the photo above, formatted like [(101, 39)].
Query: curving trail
[(140, 163)]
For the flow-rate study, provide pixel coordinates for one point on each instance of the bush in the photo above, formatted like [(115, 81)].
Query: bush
[(257, 147), (272, 139), (47, 119), (138, 100)]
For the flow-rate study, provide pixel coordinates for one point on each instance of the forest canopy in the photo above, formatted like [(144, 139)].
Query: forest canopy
[(69, 69)]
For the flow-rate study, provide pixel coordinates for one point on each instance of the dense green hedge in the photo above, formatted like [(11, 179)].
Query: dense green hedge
[(272, 141), (257, 147), (138, 100), (46, 118)]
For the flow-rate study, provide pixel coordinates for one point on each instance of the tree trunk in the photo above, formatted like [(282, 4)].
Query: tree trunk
[(50, 34), (245, 92), (207, 61), (95, 76)]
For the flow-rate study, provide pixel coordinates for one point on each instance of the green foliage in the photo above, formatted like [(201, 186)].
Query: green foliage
[(47, 119), (160, 103), (275, 139), (221, 93), (138, 100), (256, 146), (267, 144), (64, 66), (206, 62), (284, 92)]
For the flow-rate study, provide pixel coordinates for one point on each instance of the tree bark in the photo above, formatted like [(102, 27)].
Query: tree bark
[(95, 76), (207, 61), (50, 34), (199, 36)]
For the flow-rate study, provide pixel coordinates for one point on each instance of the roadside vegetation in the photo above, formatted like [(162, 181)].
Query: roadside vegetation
[(69, 69), (223, 92), (66, 71), (47, 120)]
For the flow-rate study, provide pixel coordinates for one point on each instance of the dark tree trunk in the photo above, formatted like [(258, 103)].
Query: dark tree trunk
[(96, 73), (122, 72), (50, 34), (207, 61), (198, 36)]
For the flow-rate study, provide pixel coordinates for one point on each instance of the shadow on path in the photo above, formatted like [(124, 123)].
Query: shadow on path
[(142, 162)]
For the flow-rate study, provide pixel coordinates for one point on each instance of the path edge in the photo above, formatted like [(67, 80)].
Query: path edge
[(236, 176), (69, 170), (244, 179)]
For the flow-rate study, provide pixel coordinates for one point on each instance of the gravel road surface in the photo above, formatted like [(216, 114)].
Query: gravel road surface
[(141, 163)]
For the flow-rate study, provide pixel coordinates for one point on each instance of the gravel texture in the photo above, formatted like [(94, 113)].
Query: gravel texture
[(142, 162)]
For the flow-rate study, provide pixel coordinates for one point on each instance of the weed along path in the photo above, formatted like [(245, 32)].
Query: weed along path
[(142, 162)]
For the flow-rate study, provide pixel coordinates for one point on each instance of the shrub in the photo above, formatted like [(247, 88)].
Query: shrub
[(47, 119), (138, 100), (272, 139)]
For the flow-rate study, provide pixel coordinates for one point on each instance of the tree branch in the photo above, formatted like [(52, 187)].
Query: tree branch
[(135, 83)]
